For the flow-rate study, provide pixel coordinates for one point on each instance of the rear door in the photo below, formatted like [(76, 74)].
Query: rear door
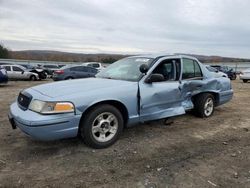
[(192, 81), (9, 71), (92, 72), (79, 71), (161, 99)]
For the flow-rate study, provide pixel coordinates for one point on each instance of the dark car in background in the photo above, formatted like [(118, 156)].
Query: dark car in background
[(228, 70), (74, 72), (3, 75)]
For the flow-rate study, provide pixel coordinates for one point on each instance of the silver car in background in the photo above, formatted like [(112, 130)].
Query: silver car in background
[(245, 75), (95, 65), (18, 72)]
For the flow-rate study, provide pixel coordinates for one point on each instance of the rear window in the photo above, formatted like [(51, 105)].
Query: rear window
[(7, 68), (95, 65)]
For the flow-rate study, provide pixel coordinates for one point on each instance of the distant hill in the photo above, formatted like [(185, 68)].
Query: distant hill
[(105, 58), (63, 56)]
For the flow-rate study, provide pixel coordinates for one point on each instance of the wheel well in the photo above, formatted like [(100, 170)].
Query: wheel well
[(120, 106), (216, 97)]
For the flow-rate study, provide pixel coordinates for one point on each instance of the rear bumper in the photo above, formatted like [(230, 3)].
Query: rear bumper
[(44, 127), (225, 96), (57, 78)]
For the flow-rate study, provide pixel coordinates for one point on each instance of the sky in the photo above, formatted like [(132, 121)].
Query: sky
[(207, 27)]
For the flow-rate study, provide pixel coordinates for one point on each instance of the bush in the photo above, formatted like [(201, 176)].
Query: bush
[(4, 52)]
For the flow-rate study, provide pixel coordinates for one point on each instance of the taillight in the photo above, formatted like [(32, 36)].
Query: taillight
[(59, 71)]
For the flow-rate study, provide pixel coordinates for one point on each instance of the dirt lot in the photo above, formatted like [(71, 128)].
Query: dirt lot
[(191, 152)]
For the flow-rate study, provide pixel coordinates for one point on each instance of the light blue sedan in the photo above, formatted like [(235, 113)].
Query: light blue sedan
[(132, 90)]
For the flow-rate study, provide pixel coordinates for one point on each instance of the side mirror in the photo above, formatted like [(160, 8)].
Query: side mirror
[(216, 71), (22, 72), (144, 68), (155, 78)]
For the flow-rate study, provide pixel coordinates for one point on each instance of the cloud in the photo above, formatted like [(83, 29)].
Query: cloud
[(212, 27)]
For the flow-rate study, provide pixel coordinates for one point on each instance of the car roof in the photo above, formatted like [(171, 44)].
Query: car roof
[(157, 56)]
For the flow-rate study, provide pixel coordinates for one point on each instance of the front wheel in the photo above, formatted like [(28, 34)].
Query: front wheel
[(32, 78), (101, 126), (245, 81), (204, 105)]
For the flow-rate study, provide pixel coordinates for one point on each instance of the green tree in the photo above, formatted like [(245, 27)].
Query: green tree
[(4, 52)]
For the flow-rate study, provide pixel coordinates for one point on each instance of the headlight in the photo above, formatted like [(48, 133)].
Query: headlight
[(51, 107)]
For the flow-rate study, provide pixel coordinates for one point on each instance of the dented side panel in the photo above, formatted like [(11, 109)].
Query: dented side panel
[(171, 98), (160, 100)]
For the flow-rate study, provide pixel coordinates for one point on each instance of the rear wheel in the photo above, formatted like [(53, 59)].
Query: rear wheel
[(69, 78), (101, 126), (245, 81), (204, 105), (233, 77), (32, 78)]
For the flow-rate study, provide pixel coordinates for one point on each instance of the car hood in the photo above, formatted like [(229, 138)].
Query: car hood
[(69, 87)]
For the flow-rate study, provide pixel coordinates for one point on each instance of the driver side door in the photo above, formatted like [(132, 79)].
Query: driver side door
[(161, 99)]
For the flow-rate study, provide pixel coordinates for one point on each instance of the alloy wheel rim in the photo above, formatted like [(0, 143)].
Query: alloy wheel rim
[(105, 127), (209, 107)]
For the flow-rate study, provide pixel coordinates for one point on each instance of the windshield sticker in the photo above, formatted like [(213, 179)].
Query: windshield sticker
[(142, 60)]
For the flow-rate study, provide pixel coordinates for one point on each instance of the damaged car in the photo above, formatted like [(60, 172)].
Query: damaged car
[(130, 91)]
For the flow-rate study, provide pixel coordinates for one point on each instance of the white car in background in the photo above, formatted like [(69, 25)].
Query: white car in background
[(245, 75), (215, 72), (18, 72), (96, 65)]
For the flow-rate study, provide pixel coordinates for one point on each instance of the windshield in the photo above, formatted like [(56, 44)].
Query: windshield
[(125, 69)]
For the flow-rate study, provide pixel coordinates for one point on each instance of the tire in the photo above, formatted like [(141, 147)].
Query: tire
[(32, 78), (245, 81), (204, 105), (233, 77), (96, 134), (69, 78)]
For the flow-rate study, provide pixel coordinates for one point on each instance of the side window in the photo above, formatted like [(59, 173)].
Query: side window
[(84, 69), (17, 69), (95, 65), (92, 70), (7, 68), (78, 69), (169, 69), (197, 69), (191, 69)]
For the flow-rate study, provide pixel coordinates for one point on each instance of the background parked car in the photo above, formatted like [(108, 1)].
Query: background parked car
[(19, 72), (74, 72), (95, 65), (41, 73), (215, 72), (245, 75), (49, 68), (3, 75), (228, 70)]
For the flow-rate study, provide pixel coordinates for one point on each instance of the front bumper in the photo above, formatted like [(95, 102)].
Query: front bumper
[(44, 127)]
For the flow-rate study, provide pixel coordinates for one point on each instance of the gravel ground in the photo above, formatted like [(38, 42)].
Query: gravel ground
[(190, 152)]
